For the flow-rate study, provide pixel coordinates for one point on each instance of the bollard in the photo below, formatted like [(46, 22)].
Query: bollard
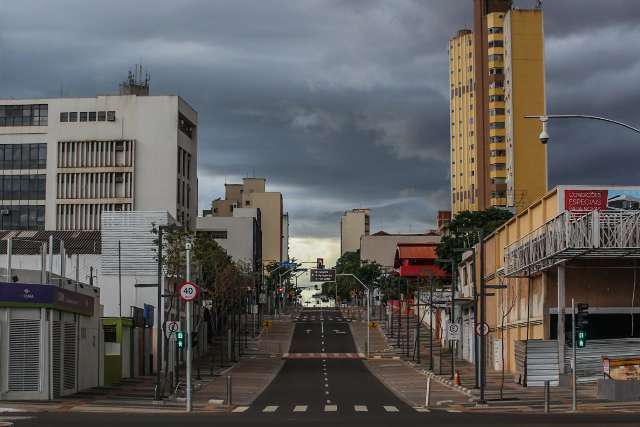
[(229, 396), (427, 397), (546, 396)]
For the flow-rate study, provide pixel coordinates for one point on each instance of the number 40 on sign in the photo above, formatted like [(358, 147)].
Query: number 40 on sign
[(189, 291)]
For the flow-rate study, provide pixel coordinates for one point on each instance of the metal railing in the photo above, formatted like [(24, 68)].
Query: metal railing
[(594, 234)]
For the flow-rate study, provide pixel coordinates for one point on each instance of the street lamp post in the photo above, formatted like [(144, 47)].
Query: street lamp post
[(368, 307)]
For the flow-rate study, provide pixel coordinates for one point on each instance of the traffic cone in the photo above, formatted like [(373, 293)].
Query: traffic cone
[(456, 378)]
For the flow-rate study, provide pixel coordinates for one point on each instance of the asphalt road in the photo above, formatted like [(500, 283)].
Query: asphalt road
[(324, 389)]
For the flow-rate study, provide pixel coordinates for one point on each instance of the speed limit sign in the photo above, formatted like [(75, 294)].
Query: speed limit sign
[(189, 291)]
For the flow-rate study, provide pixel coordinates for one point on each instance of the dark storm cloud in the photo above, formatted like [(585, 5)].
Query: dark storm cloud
[(339, 103)]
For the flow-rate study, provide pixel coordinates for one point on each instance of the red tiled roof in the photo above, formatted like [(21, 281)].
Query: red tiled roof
[(417, 252)]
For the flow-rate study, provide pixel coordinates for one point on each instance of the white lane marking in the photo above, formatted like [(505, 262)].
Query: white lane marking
[(421, 409), (453, 410), (300, 408), (360, 408), (391, 409), (322, 327), (326, 392), (326, 385), (330, 408), (270, 408), (240, 409)]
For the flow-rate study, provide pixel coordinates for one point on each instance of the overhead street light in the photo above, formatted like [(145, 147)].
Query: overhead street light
[(544, 135)]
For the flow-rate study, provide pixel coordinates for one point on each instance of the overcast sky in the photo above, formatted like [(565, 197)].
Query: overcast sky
[(339, 103)]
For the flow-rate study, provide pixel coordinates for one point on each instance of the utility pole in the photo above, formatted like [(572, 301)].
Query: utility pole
[(189, 343), (574, 379), (431, 323), (159, 329)]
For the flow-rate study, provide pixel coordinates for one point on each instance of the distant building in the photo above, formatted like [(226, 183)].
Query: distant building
[(417, 261), (240, 235), (252, 194), (353, 225), (65, 161), (381, 247), (285, 237)]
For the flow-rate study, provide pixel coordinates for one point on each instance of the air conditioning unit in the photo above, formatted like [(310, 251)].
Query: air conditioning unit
[(4, 211)]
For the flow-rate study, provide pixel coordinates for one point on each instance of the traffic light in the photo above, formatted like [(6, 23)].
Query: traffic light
[(180, 339), (582, 324)]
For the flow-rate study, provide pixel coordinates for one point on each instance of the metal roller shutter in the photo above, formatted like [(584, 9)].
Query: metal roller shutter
[(24, 355)]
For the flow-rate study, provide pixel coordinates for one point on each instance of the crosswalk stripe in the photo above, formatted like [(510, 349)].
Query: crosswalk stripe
[(360, 408), (240, 409), (391, 409), (330, 408), (272, 408), (300, 408), (421, 409)]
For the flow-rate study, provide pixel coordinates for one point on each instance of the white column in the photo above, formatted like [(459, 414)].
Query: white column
[(561, 305)]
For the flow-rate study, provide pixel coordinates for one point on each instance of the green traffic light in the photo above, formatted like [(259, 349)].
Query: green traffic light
[(180, 339)]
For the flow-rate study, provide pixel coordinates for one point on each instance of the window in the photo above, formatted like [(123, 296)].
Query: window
[(92, 116), (188, 165), (496, 43), (24, 115), (102, 116), (496, 71), (179, 160), (83, 116), (218, 234), (496, 112), (22, 217), (64, 117), (496, 139), (496, 84), (110, 333), (495, 30), (23, 156), (73, 117), (496, 57), (22, 187), (496, 98), (186, 126), (111, 116), (496, 125)]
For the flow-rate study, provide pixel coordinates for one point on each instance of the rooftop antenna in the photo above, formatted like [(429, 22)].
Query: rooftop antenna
[(135, 84)]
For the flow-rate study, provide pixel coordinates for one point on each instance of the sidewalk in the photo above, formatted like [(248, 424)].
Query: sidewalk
[(401, 377), (258, 365)]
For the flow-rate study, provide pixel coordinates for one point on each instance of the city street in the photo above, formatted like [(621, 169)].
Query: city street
[(322, 381)]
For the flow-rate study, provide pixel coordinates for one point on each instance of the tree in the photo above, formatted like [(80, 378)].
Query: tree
[(459, 234), (349, 263)]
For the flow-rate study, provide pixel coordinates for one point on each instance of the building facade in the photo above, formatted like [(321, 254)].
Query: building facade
[(252, 194), (64, 161), (496, 78), (353, 225), (381, 247)]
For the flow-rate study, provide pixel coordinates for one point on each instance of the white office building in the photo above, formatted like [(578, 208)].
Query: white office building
[(64, 161)]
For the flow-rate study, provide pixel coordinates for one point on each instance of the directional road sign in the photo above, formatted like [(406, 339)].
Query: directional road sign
[(323, 275), (482, 329), (453, 331), (189, 291)]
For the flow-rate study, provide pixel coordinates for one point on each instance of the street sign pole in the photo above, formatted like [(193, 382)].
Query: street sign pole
[(189, 337), (573, 334)]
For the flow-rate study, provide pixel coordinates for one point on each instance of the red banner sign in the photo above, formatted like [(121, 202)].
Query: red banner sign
[(585, 200)]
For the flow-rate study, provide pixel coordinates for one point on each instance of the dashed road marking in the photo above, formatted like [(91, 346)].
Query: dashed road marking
[(330, 408), (390, 408), (271, 408), (360, 408), (421, 409), (240, 409), (300, 408)]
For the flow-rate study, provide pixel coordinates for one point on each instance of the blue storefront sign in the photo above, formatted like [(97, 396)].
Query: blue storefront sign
[(49, 296), (149, 314)]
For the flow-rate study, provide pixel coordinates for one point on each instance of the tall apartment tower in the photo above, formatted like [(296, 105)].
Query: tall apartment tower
[(65, 161), (498, 162), (353, 225)]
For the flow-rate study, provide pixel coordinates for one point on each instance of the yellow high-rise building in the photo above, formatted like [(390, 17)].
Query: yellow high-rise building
[(464, 180), (496, 78)]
